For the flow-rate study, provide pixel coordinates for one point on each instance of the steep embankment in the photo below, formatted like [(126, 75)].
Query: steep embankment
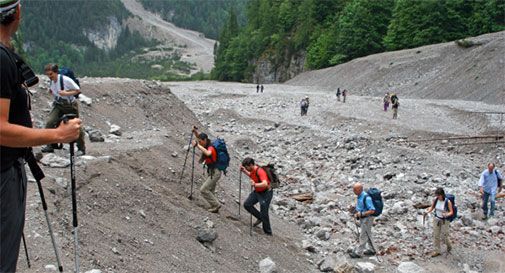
[(441, 71), (134, 215)]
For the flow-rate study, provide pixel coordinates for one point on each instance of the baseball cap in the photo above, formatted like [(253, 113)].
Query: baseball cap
[(8, 6)]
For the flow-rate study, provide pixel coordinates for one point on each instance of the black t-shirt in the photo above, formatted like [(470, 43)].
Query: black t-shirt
[(19, 110)]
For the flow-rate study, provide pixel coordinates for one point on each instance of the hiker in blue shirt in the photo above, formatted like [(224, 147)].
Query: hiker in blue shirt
[(488, 187), (364, 211)]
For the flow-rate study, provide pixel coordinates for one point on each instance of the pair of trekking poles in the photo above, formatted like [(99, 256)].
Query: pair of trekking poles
[(193, 175), (38, 174)]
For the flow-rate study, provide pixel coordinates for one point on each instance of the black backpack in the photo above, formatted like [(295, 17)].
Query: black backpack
[(376, 196), (272, 175)]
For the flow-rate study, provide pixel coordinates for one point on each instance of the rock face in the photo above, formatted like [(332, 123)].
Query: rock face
[(105, 37), (267, 72)]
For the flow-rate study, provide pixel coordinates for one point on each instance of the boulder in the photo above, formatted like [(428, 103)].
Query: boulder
[(409, 267), (85, 99), (365, 267), (267, 266), (96, 136), (206, 235), (328, 264), (115, 130), (54, 161)]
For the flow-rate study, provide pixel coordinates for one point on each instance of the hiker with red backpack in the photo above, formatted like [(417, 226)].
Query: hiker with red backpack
[(64, 89), (369, 205), (262, 192), (216, 159), (445, 212)]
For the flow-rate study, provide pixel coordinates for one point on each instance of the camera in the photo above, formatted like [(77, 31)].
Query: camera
[(29, 77)]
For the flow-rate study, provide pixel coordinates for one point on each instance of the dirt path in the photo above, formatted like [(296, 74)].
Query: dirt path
[(197, 49)]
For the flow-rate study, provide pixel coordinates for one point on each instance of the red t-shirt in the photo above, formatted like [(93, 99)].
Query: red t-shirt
[(262, 177), (213, 157)]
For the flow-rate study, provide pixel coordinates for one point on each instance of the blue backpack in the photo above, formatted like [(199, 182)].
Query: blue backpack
[(376, 196), (223, 158), (69, 73), (446, 206)]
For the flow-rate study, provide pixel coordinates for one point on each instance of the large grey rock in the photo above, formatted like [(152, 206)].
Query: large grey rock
[(267, 266), (55, 161), (115, 130), (328, 264), (85, 99), (206, 235), (365, 267), (96, 136), (409, 267)]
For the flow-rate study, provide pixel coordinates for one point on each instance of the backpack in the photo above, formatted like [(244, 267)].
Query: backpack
[(69, 73), (223, 158), (304, 103), (446, 206), (498, 179), (272, 175), (376, 196)]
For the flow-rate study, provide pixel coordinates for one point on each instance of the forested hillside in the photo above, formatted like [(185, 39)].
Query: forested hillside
[(204, 16), (284, 37)]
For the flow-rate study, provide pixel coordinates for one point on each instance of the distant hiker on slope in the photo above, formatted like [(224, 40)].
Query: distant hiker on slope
[(386, 101), (262, 193), (209, 157), (365, 210), (396, 103), (344, 95), (257, 88), (444, 211), (338, 94), (261, 88), (490, 183), (304, 106)]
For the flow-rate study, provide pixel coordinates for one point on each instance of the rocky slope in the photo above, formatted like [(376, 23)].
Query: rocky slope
[(441, 71), (133, 211)]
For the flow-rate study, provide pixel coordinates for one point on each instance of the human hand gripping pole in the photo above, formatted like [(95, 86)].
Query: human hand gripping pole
[(75, 224)]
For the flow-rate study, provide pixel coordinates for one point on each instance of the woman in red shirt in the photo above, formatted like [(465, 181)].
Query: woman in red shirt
[(262, 193)]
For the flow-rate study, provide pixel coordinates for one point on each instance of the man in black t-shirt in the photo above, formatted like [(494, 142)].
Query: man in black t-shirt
[(16, 135)]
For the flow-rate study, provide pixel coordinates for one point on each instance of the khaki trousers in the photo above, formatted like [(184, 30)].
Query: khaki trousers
[(209, 187), (441, 232), (60, 109)]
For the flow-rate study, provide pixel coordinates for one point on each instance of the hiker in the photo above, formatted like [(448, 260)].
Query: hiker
[(364, 213), (304, 106), (209, 157), (338, 94), (443, 208), (257, 88), (63, 89), (396, 103), (262, 88), (344, 95), (488, 188), (16, 135), (386, 100), (262, 193)]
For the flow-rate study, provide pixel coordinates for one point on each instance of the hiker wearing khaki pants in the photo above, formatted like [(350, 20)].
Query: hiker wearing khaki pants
[(63, 89), (444, 209), (209, 157)]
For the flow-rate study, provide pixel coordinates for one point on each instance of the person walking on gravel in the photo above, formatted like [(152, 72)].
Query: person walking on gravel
[(386, 101), (396, 103), (262, 193), (209, 157), (63, 89), (304, 106), (344, 95), (16, 136), (444, 209), (257, 88), (489, 186), (364, 211), (338, 94)]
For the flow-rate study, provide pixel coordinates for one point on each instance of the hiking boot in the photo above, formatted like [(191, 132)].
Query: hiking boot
[(435, 254), (257, 223), (354, 255), (369, 252), (80, 152), (268, 233), (214, 209), (47, 149)]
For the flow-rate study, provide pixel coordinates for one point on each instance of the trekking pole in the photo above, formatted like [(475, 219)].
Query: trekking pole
[(186, 158), (39, 175), (239, 191), (192, 175), (75, 224), (250, 222), (26, 250)]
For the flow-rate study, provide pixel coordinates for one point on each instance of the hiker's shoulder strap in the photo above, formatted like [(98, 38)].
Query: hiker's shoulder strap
[(62, 86)]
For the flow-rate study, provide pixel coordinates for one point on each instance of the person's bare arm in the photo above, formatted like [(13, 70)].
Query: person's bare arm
[(16, 136)]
